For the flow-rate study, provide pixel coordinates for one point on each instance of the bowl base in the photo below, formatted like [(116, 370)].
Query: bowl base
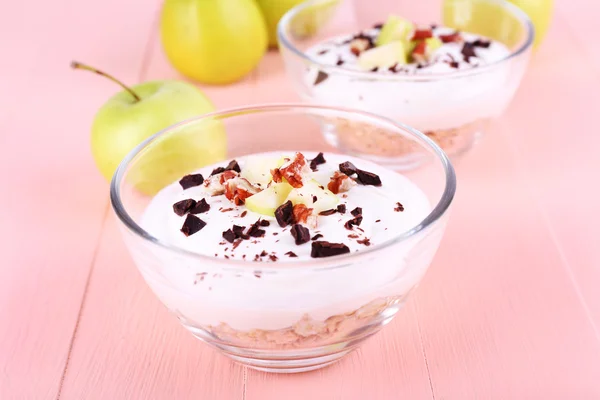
[(396, 152)]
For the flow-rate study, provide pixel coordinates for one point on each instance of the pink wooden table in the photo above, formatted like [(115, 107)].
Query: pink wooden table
[(508, 310)]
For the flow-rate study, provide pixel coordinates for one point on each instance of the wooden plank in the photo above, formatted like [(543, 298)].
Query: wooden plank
[(53, 200), (128, 346), (502, 316)]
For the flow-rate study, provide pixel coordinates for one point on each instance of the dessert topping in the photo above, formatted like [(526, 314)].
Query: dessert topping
[(182, 207), (327, 249), (191, 180)]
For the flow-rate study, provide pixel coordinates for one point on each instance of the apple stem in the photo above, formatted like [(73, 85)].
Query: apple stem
[(78, 65)]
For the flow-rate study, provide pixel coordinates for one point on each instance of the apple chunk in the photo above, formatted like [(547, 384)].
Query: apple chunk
[(267, 201), (395, 28), (314, 196), (257, 170), (383, 57)]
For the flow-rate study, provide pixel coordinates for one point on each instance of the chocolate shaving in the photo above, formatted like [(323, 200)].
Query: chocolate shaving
[(348, 168), (374, 69), (324, 51), (318, 160), (201, 207), (339, 61), (191, 180), (236, 244), (217, 170), (353, 236), (356, 212), (300, 233), (341, 208), (229, 235), (481, 43), (327, 249), (314, 199), (378, 220), (378, 26), (328, 212), (317, 236), (182, 207), (258, 274), (264, 222), (273, 257), (191, 225), (284, 214), (232, 166), (368, 178), (353, 222), (399, 207), (321, 76), (255, 231), (263, 253), (468, 51), (243, 214), (365, 241), (225, 209), (291, 254)]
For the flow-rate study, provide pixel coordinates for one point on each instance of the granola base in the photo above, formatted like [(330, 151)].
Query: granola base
[(306, 332), (376, 141)]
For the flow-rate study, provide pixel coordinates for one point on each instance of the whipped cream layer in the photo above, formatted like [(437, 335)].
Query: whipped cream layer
[(434, 102), (266, 294)]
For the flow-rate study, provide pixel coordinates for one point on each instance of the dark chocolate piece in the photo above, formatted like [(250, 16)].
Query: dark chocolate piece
[(201, 207), (328, 212), (321, 76), (182, 207), (284, 214), (217, 170), (327, 249), (291, 254), (399, 207), (348, 168), (339, 61), (324, 51), (300, 234), (356, 212), (378, 26), (191, 225), (341, 208), (317, 236), (468, 51), (233, 166), (318, 160), (368, 178), (255, 231), (365, 241), (481, 43), (229, 235), (353, 222), (314, 199), (264, 222), (191, 180)]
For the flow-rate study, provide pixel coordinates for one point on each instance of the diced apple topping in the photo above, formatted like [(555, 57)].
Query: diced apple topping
[(383, 56), (394, 29), (340, 183), (314, 196), (257, 169), (267, 201), (424, 49)]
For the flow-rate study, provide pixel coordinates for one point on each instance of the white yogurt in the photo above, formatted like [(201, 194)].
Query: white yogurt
[(267, 295), (438, 103)]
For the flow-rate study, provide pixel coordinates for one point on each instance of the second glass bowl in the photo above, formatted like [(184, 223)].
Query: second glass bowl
[(453, 108)]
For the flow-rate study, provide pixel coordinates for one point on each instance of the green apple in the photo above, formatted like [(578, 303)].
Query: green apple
[(383, 56), (312, 18), (273, 10), (138, 112), (311, 190), (267, 201), (540, 13), (213, 41), (395, 28), (257, 169)]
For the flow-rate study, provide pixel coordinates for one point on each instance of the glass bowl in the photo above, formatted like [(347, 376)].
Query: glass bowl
[(453, 108), (291, 316)]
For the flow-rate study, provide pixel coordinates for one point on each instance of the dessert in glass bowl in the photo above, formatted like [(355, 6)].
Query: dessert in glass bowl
[(284, 260), (448, 80)]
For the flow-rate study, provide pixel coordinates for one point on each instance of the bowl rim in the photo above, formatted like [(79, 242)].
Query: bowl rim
[(368, 75), (434, 215)]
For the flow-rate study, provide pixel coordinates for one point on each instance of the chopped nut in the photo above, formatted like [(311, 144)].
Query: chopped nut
[(239, 189), (301, 213), (293, 170), (340, 183)]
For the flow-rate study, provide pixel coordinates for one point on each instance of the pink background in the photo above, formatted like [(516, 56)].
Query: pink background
[(509, 309)]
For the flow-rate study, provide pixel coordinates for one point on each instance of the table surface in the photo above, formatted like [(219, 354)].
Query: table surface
[(508, 310)]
